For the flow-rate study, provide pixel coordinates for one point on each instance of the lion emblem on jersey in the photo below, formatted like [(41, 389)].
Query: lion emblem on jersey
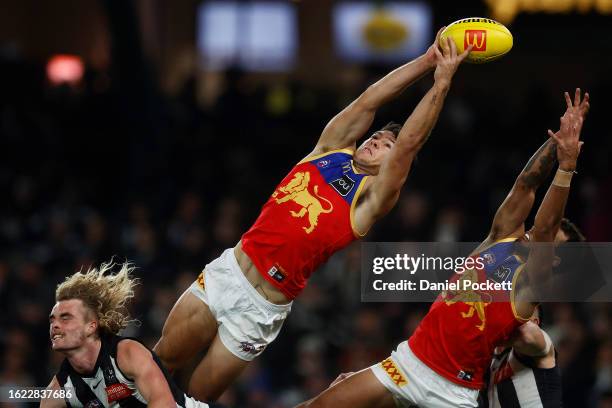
[(470, 297), (296, 190)]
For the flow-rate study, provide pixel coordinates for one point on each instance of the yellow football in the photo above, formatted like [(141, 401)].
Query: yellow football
[(491, 40)]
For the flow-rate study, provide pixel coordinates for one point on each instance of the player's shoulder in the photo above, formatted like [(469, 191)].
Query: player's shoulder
[(320, 152), (129, 345), (132, 355), (493, 242)]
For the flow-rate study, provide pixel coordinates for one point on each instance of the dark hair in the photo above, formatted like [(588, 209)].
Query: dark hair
[(393, 128), (572, 231)]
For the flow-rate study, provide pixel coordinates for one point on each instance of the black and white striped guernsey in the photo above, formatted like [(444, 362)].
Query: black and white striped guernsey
[(525, 387), (107, 386)]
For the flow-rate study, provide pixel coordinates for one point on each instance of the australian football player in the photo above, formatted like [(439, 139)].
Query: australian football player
[(102, 369), (443, 364), (332, 197)]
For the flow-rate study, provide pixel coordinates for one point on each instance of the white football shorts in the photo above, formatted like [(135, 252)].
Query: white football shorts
[(247, 321), (413, 384)]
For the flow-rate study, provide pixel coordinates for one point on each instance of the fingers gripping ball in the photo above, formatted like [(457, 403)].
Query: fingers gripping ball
[(490, 39)]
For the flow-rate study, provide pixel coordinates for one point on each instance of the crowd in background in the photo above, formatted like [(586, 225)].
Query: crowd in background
[(101, 170)]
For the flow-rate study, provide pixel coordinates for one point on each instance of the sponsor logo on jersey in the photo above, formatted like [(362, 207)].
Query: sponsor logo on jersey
[(276, 273), (110, 374), (501, 274), (394, 373), (489, 258), (118, 391), (343, 185), (347, 167), (465, 375), (323, 163)]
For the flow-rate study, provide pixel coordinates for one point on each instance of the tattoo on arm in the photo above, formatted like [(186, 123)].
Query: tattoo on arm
[(540, 165)]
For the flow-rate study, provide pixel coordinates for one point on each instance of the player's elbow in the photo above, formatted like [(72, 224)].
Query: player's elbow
[(525, 187), (526, 184), (370, 99), (410, 141), (530, 340), (527, 335)]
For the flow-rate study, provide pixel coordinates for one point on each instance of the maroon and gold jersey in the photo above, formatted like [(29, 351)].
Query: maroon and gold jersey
[(307, 219), (459, 334)]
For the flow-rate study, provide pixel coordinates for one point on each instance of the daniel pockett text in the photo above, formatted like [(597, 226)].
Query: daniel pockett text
[(419, 271), (414, 264)]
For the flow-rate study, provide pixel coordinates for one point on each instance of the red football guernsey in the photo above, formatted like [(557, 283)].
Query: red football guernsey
[(459, 334), (307, 219)]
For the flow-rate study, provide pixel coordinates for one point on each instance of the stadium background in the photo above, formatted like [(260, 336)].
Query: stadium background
[(152, 159)]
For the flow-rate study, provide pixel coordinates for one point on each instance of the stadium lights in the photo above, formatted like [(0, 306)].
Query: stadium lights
[(64, 68)]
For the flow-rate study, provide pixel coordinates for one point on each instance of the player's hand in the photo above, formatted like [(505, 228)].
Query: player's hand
[(447, 60), (578, 107), (568, 137), (340, 378), (430, 54)]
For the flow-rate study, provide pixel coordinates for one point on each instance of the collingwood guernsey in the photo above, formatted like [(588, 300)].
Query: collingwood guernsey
[(516, 382), (107, 386)]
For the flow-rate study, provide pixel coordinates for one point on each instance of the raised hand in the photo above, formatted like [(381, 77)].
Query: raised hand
[(447, 60), (430, 54), (567, 138), (578, 107)]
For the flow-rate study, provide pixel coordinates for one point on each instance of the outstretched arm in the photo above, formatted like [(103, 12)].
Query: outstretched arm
[(511, 215), (568, 146), (384, 190), (550, 213), (350, 125)]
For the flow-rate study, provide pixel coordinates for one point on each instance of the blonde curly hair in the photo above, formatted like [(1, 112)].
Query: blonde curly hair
[(105, 295)]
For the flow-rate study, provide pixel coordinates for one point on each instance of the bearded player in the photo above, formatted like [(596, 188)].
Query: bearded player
[(239, 302), (102, 369), (444, 361)]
